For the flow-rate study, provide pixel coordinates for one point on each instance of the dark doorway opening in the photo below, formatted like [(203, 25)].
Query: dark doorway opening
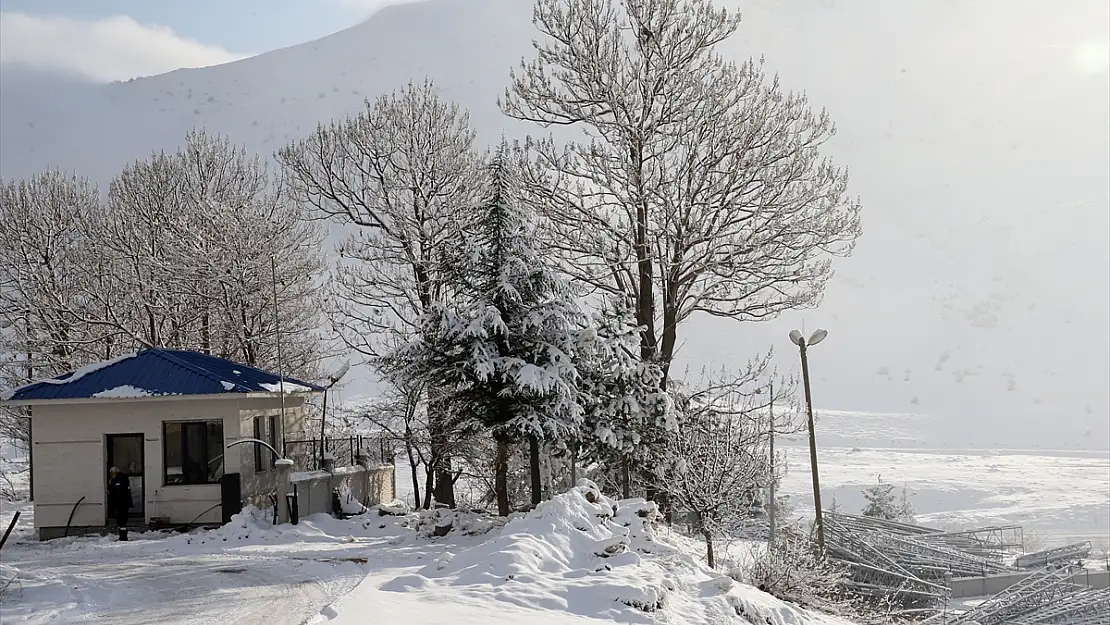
[(126, 452)]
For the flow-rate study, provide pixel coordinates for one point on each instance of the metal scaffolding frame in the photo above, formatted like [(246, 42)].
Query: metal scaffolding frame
[(1072, 552), (1084, 607), (914, 565), (1049, 587)]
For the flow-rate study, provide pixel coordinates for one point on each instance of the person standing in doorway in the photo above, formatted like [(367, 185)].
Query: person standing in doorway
[(119, 499)]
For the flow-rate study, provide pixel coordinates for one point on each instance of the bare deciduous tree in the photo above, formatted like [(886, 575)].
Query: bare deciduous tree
[(195, 240), (399, 172), (721, 461), (179, 257), (44, 261), (698, 185)]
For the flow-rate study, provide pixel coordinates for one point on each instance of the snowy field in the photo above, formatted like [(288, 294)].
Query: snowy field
[(1057, 499), (576, 559), (957, 477)]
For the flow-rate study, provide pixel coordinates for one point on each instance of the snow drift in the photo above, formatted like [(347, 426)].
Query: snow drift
[(586, 554)]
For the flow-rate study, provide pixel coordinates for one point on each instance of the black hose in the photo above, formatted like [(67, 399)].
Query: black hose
[(11, 526), (71, 516), (186, 525)]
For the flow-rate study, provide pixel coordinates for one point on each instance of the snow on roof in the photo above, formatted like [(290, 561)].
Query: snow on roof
[(156, 372), (290, 387), (124, 391)]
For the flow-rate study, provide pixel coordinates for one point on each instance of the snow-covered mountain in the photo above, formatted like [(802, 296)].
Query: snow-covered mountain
[(974, 132)]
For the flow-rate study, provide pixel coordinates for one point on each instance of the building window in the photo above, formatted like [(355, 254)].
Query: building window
[(193, 451), (275, 431), (258, 448), (267, 429)]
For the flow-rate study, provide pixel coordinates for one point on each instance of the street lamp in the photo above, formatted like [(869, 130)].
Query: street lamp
[(333, 379), (815, 338)]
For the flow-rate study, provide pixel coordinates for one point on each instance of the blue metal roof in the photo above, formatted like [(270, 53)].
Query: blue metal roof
[(154, 372)]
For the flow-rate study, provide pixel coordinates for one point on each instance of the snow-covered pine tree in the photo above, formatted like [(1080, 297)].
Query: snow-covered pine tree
[(882, 503), (905, 508), (502, 352), (880, 500), (626, 415)]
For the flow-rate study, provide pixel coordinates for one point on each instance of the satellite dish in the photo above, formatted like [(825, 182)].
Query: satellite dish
[(818, 336), (796, 337)]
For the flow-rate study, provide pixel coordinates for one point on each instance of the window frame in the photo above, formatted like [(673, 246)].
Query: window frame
[(206, 444), (273, 432), (260, 434)]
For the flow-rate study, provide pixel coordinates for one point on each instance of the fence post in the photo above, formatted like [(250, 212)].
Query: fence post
[(284, 468)]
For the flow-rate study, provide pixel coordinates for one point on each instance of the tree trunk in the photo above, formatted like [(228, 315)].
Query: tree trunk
[(413, 463), (626, 479), (534, 469), (501, 476), (645, 271), (710, 558), (429, 486), (574, 463), (444, 482), (205, 333), (670, 324)]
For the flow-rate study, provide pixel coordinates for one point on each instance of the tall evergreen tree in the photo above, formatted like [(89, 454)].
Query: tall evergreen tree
[(626, 415), (503, 351)]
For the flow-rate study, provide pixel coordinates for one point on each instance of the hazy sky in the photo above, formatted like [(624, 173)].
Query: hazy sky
[(975, 133), (119, 39)]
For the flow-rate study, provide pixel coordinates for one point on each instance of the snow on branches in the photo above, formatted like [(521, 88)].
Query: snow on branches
[(504, 348), (697, 186), (627, 416), (397, 175), (178, 256)]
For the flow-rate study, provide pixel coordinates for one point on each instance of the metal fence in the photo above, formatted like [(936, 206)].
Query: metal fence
[(309, 453)]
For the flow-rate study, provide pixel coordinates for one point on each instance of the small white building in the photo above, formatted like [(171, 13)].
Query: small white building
[(165, 418)]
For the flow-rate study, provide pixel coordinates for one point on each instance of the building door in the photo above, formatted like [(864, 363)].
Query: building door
[(126, 452)]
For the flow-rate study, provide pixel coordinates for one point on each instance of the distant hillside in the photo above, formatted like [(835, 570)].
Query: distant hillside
[(980, 287)]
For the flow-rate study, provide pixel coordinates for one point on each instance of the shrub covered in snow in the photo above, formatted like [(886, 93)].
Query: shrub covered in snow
[(792, 571), (444, 521), (584, 553)]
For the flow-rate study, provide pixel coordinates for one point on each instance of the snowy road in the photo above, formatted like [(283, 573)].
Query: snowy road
[(143, 582), (188, 590)]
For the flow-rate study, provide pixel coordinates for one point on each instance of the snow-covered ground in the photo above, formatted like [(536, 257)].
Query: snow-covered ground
[(579, 558), (1060, 498), (960, 475), (540, 569)]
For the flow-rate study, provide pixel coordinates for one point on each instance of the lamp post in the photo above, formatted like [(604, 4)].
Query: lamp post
[(802, 343), (333, 379)]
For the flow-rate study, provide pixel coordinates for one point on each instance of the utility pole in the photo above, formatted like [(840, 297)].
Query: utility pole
[(773, 504), (277, 339)]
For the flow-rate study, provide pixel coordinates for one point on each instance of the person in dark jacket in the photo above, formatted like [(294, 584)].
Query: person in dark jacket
[(119, 499)]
